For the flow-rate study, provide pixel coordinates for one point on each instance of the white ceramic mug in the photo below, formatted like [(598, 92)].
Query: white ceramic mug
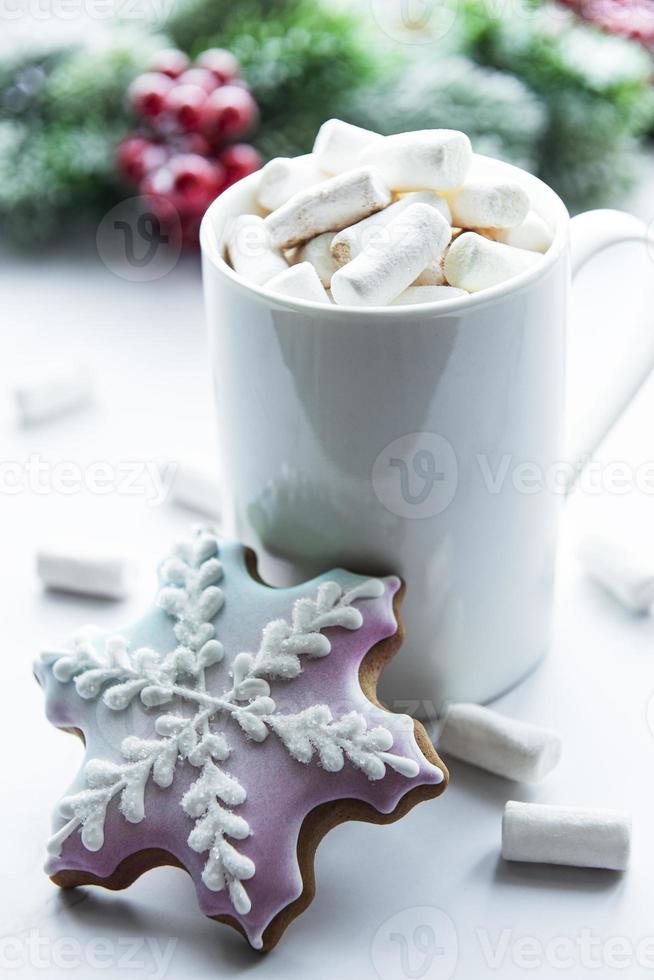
[(376, 440)]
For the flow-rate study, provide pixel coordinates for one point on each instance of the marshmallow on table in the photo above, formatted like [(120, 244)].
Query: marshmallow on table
[(382, 271), (533, 234), (48, 390), (349, 242), (329, 206), (427, 294), (485, 203), (250, 250), (581, 837), (283, 177), (473, 262), (317, 251), (338, 145), (104, 576), (437, 159), (198, 489), (619, 571), (504, 746), (300, 282)]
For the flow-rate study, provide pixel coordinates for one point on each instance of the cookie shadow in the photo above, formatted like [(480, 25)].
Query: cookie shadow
[(196, 945)]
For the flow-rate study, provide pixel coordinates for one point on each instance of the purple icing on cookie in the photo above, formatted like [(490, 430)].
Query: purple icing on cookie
[(217, 723)]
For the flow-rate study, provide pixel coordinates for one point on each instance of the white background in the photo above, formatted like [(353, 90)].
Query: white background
[(380, 889)]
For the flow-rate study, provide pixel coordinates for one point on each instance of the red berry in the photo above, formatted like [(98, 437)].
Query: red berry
[(196, 181), (148, 93), (239, 160), (201, 77), (221, 63), (229, 112), (138, 156), (157, 184), (170, 62), (195, 143), (185, 103)]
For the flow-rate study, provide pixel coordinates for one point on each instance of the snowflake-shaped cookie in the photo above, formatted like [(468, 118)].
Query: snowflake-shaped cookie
[(228, 763)]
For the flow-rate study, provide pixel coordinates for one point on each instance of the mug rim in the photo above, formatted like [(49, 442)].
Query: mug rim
[(491, 295)]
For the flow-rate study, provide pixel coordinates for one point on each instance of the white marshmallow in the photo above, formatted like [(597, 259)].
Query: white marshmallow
[(384, 270), (427, 294), (317, 251), (485, 203), (347, 244), (104, 576), (48, 390), (301, 282), (197, 488), (250, 250), (473, 262), (504, 746), (533, 234), (619, 571), (283, 177), (338, 145), (437, 159), (577, 836), (329, 206)]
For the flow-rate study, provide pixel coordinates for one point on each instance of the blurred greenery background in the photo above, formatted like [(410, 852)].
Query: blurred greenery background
[(530, 82)]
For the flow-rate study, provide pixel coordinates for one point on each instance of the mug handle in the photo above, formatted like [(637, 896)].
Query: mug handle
[(591, 233)]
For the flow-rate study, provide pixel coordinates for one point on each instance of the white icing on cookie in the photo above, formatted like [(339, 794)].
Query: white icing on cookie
[(190, 596)]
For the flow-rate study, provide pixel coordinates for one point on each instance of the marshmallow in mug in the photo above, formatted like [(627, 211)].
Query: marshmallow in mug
[(329, 206), (251, 251), (329, 222), (300, 282), (533, 234), (282, 177), (474, 262), (434, 159), (486, 203), (347, 244), (418, 236), (318, 252), (338, 145)]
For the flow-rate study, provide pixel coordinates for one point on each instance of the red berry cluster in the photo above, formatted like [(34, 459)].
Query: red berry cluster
[(185, 152), (633, 18)]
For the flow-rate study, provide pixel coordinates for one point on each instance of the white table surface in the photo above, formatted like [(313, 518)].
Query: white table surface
[(439, 867)]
